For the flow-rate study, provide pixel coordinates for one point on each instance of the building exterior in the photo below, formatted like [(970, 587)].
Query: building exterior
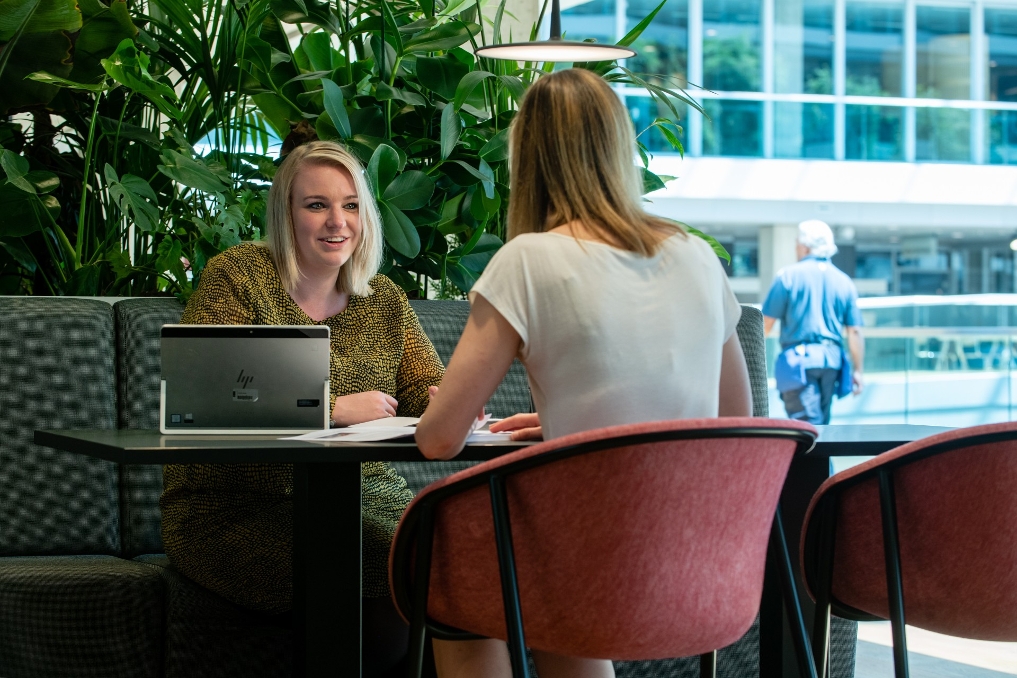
[(893, 120)]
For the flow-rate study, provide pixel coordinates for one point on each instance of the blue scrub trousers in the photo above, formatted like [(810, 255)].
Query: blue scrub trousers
[(812, 403)]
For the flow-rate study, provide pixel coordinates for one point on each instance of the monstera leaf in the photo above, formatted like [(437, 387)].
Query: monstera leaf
[(63, 39), (35, 36)]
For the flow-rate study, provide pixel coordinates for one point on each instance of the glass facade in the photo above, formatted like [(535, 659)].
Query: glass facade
[(874, 49), (873, 80)]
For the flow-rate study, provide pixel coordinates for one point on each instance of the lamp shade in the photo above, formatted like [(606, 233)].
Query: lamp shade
[(556, 50)]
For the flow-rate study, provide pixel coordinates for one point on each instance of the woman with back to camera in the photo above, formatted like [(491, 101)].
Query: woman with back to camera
[(230, 527), (620, 317)]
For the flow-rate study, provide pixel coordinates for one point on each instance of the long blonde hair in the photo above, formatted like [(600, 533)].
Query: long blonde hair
[(356, 273), (572, 150)]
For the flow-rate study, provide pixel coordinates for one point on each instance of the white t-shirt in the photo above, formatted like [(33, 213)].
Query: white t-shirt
[(611, 337)]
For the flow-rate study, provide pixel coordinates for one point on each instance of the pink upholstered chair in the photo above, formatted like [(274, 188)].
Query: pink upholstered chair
[(929, 529), (632, 542)]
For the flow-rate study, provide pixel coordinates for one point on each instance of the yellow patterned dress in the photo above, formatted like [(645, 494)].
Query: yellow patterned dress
[(229, 527)]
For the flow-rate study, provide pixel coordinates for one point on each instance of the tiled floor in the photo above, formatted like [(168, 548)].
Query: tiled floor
[(933, 655)]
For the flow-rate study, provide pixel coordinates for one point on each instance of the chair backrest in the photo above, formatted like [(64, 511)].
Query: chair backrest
[(56, 371), (632, 542), (753, 341), (138, 323), (956, 504)]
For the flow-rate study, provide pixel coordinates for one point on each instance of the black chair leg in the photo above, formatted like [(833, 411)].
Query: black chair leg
[(792, 605), (708, 665), (894, 574), (421, 588), (824, 583), (509, 583)]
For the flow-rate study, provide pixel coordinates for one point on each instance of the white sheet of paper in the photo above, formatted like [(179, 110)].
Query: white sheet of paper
[(388, 422)]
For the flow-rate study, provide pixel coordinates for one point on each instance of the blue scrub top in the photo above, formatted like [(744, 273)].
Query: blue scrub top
[(814, 300)]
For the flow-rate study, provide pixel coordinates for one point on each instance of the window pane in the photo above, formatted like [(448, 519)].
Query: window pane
[(803, 50), (643, 111), (1001, 32), (1003, 137), (731, 32), (874, 133), (733, 128), (943, 134), (874, 44), (593, 19), (803, 130), (943, 56), (664, 46)]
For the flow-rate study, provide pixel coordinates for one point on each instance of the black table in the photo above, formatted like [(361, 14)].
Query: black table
[(327, 524)]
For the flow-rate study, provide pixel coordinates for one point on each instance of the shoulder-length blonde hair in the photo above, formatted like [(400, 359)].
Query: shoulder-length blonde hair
[(572, 158), (356, 273)]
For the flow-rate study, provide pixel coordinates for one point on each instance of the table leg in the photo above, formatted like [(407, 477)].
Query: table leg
[(776, 648), (327, 570)]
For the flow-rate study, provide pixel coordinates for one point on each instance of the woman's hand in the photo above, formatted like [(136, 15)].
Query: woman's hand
[(357, 408), (524, 426)]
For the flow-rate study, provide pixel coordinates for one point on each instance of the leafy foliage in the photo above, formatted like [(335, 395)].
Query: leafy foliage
[(116, 198)]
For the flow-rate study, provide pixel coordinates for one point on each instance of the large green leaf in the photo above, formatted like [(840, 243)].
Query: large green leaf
[(277, 111), (15, 168), (49, 52), (21, 213), (42, 16), (104, 28), (651, 182), (16, 248), (451, 128), (129, 66), (461, 277), (85, 281), (382, 168), (134, 197), (638, 29), (318, 48), (410, 190), (400, 233), (482, 251), (718, 249), (441, 74), (336, 108), (497, 148), (468, 84), (49, 79), (445, 36), (190, 172)]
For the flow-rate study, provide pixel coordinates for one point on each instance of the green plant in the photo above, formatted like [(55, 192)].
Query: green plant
[(106, 193)]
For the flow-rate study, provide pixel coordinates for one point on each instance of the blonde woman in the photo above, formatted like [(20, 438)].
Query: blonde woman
[(229, 527), (620, 317)]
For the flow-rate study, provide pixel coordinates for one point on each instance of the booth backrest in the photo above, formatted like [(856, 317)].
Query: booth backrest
[(443, 321), (137, 323), (56, 371)]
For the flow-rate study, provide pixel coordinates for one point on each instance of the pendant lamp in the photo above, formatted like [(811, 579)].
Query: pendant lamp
[(556, 49)]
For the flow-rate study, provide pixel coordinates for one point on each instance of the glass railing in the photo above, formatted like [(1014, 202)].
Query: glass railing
[(925, 375)]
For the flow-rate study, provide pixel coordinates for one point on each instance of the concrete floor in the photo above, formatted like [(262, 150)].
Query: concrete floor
[(933, 655)]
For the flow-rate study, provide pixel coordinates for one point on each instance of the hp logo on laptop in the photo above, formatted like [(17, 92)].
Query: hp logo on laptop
[(244, 380)]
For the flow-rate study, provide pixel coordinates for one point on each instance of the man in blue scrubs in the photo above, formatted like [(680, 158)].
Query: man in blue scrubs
[(816, 304)]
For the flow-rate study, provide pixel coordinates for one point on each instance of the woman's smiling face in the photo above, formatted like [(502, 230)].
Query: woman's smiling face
[(325, 209)]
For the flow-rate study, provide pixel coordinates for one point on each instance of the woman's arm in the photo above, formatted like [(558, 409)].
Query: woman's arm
[(735, 390), (480, 362)]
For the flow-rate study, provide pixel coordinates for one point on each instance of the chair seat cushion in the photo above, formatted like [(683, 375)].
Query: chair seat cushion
[(80, 616)]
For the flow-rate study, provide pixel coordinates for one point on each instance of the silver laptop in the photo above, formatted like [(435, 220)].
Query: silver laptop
[(225, 379)]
